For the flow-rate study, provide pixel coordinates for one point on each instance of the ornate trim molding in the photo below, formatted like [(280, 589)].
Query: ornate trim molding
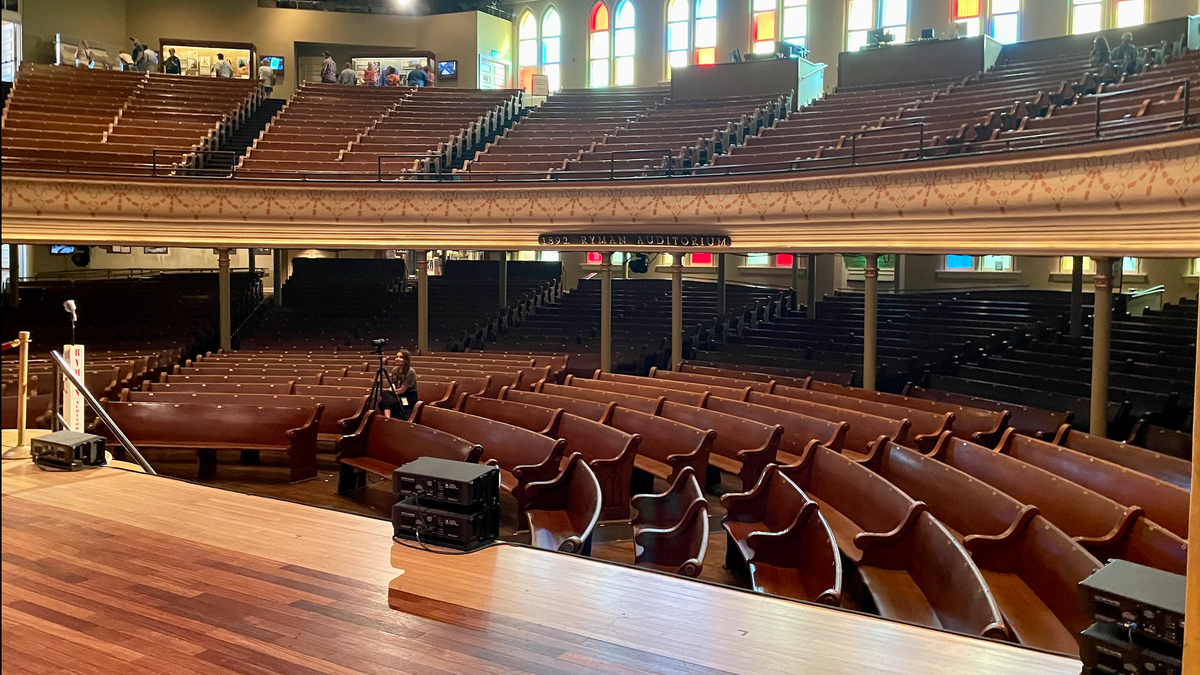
[(1141, 200)]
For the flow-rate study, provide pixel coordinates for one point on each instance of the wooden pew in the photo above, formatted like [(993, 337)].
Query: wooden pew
[(241, 379), (667, 446), (1028, 421), (1107, 529), (609, 452), (924, 426), (381, 444), (341, 416), (1166, 441), (563, 512), (1162, 502), (208, 428), (607, 386), (715, 380), (1173, 470), (522, 456), (972, 424), (799, 431), (778, 533), (473, 386), (221, 387), (534, 418), (38, 412), (863, 429), (649, 406), (670, 531), (785, 376), (742, 447), (1032, 568), (735, 393), (591, 410)]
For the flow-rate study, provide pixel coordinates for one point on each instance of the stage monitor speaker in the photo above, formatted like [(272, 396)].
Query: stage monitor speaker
[(67, 451)]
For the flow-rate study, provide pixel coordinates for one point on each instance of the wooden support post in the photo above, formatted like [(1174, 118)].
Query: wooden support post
[(677, 312), (226, 320), (1101, 343), (606, 312), (870, 319), (720, 284), (1076, 297), (1191, 629), (280, 264), (422, 302), (811, 279), (503, 279), (21, 449)]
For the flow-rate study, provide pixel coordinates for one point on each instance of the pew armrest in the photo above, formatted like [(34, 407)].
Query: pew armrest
[(355, 444), (865, 540), (307, 435), (779, 548), (996, 548), (347, 424), (545, 470)]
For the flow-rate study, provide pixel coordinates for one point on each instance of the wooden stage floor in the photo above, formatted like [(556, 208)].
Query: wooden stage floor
[(114, 571)]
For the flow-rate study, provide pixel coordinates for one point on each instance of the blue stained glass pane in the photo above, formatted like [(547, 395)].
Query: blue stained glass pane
[(960, 262)]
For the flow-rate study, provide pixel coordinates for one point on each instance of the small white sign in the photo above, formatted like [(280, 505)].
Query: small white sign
[(540, 85), (72, 397)]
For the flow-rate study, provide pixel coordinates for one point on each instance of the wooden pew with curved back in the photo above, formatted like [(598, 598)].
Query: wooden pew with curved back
[(381, 444), (644, 391), (1029, 421), (1104, 527), (496, 380), (764, 387), (1162, 502), (341, 415), (737, 393), (1173, 470), (609, 452), (776, 531), (799, 431), (592, 410), (925, 427), (741, 447), (972, 424), (667, 446), (522, 456), (563, 512), (670, 531), (863, 428), (222, 387), (1032, 567), (650, 406), (537, 419)]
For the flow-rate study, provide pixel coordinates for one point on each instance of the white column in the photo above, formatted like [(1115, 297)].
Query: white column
[(423, 302), (811, 279), (870, 318), (677, 312), (606, 312), (223, 298), (1101, 344), (1076, 297)]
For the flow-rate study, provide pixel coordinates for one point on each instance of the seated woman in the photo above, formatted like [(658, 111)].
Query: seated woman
[(404, 383)]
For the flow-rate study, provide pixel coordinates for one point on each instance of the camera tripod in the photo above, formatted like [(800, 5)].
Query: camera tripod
[(382, 383)]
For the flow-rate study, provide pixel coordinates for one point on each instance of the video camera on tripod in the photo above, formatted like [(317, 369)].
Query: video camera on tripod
[(384, 396)]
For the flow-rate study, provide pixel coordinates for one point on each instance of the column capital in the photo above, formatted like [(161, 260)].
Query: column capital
[(606, 262), (1104, 273), (677, 265)]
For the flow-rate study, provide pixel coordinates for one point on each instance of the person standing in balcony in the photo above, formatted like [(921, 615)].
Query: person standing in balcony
[(347, 76), (393, 78), (221, 68), (418, 78), (171, 65), (370, 77), (329, 72), (267, 74)]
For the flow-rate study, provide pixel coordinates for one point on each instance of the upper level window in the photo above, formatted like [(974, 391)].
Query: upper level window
[(599, 47), (681, 48), (1128, 265), (527, 49), (679, 29), (777, 260), (978, 263), (531, 59), (1002, 18), (1089, 16), (552, 48), (785, 20), (623, 44), (864, 15), (706, 32)]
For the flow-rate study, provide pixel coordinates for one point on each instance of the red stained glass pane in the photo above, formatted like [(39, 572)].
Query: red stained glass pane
[(706, 57), (764, 26), (783, 260), (599, 17), (701, 258), (594, 258)]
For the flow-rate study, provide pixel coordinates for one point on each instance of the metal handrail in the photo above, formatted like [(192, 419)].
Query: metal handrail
[(379, 163), (1187, 98), (64, 370), (863, 132), (612, 157), (154, 152), (820, 67)]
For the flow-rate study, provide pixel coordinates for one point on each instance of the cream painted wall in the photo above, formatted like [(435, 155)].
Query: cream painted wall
[(102, 20), (826, 30), (42, 261)]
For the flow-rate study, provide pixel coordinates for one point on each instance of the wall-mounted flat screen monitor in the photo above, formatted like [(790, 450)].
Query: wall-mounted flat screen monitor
[(447, 70), (276, 63), (61, 249)]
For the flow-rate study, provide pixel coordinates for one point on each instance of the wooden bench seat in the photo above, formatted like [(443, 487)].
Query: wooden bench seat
[(643, 391), (644, 404), (1173, 470), (742, 447), (563, 512), (221, 387), (791, 377), (534, 418), (381, 444), (591, 410), (1162, 502), (1159, 439), (667, 446), (702, 379), (473, 386), (670, 531), (776, 532), (341, 415), (522, 456), (1107, 529), (209, 427), (1042, 424), (1032, 567), (863, 428), (925, 427), (971, 424), (736, 393), (799, 431)]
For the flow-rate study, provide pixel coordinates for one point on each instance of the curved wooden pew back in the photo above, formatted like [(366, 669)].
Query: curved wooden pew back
[(799, 431), (742, 447), (863, 428), (924, 426), (592, 410)]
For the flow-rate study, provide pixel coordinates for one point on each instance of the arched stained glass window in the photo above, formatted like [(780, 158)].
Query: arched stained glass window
[(527, 51), (679, 29), (599, 47), (623, 44), (552, 48), (771, 20), (706, 32)]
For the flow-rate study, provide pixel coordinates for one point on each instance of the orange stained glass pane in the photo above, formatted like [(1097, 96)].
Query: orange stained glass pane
[(966, 9), (599, 17), (706, 56), (527, 74), (783, 260), (701, 258), (764, 25)]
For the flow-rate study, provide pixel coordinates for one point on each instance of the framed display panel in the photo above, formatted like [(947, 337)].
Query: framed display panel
[(197, 58)]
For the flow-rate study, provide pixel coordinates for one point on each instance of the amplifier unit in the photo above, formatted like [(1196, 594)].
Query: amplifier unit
[(463, 528), (1140, 600), (448, 482), (67, 450), (1107, 649)]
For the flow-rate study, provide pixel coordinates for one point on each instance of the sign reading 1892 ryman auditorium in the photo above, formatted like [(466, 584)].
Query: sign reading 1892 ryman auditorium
[(671, 240)]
